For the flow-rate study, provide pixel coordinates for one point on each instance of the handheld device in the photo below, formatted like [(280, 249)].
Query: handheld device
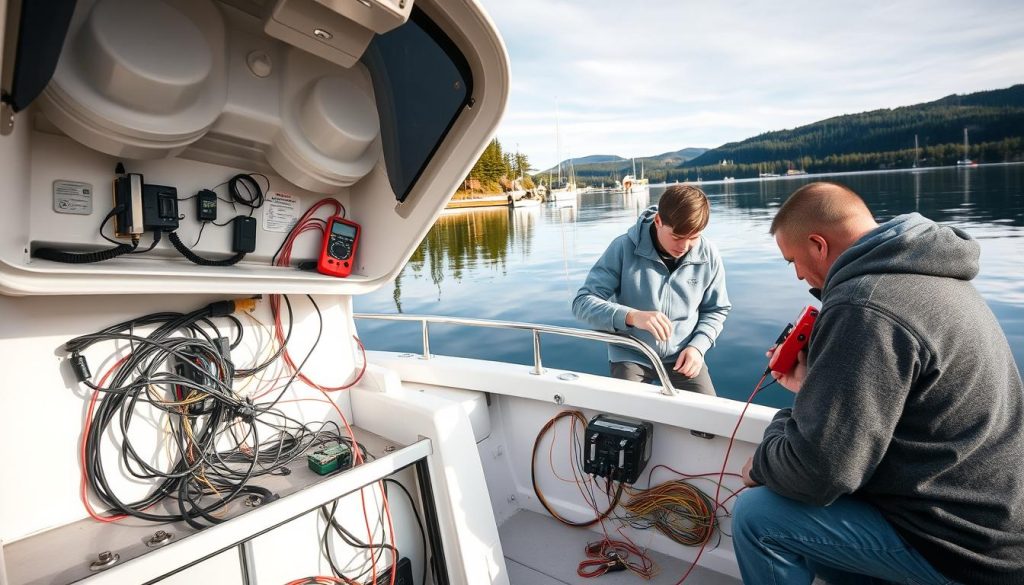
[(793, 340), (338, 253)]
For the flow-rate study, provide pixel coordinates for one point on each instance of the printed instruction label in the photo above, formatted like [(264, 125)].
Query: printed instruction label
[(280, 212), (72, 197)]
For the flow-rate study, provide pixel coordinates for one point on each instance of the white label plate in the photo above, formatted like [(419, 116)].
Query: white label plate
[(72, 197)]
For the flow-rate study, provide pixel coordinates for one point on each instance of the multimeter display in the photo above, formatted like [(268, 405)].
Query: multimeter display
[(342, 234), (339, 248)]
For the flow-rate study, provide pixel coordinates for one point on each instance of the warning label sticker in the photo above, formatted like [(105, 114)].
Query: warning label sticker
[(72, 197), (280, 212)]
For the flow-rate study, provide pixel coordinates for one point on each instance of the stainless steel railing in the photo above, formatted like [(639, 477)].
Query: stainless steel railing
[(536, 329)]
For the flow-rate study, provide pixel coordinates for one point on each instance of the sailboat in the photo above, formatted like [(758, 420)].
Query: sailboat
[(565, 191), (630, 184), (915, 166), (966, 161), (562, 191)]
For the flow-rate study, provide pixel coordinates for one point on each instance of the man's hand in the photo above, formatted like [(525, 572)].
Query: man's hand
[(654, 321), (747, 481), (689, 362), (795, 378)]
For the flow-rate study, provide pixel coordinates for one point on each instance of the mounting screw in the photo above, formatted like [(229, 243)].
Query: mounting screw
[(159, 538), (512, 499), (103, 560), (389, 449), (558, 399), (6, 119)]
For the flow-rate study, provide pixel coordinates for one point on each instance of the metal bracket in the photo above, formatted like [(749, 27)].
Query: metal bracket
[(6, 119)]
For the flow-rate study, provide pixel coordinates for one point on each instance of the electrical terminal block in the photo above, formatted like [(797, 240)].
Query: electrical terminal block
[(330, 458), (617, 448)]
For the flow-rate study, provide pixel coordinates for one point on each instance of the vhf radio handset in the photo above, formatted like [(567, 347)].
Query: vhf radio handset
[(338, 253), (793, 340)]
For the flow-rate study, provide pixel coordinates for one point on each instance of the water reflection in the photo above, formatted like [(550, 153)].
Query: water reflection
[(465, 240), (526, 264)]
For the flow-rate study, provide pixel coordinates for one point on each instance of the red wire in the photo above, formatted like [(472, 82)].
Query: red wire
[(83, 491), (306, 224), (721, 474)]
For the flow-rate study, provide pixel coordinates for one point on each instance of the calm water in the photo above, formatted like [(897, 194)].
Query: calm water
[(526, 265)]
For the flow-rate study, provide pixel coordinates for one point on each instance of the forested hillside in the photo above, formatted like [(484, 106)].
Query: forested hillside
[(879, 139)]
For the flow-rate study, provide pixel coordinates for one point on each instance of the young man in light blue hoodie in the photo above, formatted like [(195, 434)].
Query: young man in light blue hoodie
[(664, 283)]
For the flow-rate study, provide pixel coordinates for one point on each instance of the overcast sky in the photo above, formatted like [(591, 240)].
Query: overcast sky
[(642, 77)]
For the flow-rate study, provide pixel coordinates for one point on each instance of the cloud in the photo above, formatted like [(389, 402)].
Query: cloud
[(647, 77)]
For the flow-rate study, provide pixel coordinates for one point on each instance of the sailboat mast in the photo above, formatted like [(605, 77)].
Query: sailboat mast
[(558, 144), (966, 149)]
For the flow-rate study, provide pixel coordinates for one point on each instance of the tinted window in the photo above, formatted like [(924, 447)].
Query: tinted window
[(421, 82)]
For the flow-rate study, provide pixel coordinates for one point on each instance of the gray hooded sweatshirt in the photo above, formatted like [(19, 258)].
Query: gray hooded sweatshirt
[(912, 402), (631, 275)]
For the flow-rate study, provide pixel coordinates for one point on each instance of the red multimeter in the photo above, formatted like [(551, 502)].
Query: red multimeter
[(792, 341), (338, 253)]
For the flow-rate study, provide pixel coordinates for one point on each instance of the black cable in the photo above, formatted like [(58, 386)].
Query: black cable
[(197, 259), (253, 197), (200, 236), (103, 224), (55, 255), (354, 541), (210, 466), (256, 369), (156, 240), (419, 522), (319, 333)]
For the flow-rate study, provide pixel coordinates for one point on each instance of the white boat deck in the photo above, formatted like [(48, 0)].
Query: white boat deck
[(539, 550)]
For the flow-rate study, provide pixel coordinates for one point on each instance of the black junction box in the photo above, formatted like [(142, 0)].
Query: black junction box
[(244, 239), (160, 208), (617, 448)]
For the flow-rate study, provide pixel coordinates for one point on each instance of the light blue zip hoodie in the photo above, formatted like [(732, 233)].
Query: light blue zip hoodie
[(630, 275)]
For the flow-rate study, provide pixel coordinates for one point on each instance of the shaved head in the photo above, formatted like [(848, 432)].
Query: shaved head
[(821, 207), (816, 225)]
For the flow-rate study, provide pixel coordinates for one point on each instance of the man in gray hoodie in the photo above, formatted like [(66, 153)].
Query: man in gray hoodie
[(664, 283), (901, 459)]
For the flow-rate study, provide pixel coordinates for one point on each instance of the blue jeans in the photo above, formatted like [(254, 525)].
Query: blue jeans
[(779, 541)]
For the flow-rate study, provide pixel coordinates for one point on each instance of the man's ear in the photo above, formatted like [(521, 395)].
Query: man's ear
[(819, 246), (657, 220)]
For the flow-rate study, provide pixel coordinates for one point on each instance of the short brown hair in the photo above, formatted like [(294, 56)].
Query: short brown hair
[(685, 209), (817, 206)]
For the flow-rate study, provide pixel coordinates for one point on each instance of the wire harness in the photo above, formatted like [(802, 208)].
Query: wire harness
[(217, 440)]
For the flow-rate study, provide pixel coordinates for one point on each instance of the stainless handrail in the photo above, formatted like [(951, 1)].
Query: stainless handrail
[(536, 329)]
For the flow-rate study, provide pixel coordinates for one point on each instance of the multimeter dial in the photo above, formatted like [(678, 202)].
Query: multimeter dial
[(340, 247)]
